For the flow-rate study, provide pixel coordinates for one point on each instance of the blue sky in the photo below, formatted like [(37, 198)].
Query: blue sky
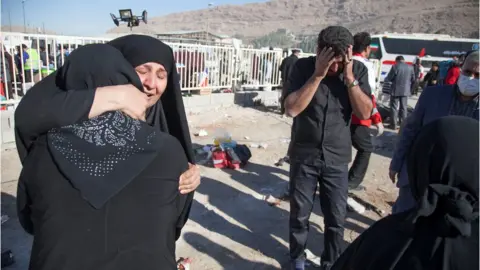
[(91, 17)]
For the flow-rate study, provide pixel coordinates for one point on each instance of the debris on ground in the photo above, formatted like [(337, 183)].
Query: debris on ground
[(224, 152), (355, 206), (281, 161), (246, 138), (221, 136), (231, 155), (203, 155), (259, 145), (272, 201), (201, 133), (184, 264), (367, 205)]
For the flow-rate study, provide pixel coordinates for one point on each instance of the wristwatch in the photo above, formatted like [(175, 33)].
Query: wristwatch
[(354, 83)]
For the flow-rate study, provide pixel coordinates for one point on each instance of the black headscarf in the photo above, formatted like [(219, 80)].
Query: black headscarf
[(443, 172), (168, 114), (102, 155), (442, 232)]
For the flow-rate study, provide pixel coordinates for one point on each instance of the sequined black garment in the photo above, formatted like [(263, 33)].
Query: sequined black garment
[(100, 156), (135, 229)]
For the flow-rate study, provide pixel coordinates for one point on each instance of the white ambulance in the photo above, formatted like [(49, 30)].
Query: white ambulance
[(430, 47)]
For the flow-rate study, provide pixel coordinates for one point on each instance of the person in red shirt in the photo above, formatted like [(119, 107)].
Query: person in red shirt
[(360, 129), (453, 74)]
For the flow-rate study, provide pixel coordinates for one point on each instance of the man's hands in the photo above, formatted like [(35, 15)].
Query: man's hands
[(324, 60), (348, 65), (380, 129)]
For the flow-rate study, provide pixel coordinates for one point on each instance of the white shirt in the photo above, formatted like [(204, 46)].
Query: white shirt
[(371, 71)]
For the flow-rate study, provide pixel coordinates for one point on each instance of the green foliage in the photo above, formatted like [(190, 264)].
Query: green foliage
[(284, 39), (277, 39), (308, 44)]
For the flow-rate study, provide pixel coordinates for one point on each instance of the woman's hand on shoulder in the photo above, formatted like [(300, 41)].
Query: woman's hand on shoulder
[(190, 180), (126, 98)]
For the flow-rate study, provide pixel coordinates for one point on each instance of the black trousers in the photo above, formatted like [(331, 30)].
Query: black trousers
[(282, 97), (362, 142), (415, 86), (333, 182)]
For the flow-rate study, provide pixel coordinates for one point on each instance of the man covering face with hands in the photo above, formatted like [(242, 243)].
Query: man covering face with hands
[(322, 94)]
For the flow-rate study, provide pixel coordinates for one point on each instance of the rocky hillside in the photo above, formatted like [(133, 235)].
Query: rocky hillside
[(455, 17)]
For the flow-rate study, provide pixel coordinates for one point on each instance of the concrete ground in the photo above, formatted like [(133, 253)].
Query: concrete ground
[(231, 226)]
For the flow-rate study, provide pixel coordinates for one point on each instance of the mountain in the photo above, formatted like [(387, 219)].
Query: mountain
[(455, 17)]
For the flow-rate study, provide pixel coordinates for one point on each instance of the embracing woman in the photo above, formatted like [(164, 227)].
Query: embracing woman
[(103, 156)]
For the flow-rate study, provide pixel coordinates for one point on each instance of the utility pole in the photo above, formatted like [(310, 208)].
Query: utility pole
[(9, 18), (208, 21), (24, 19)]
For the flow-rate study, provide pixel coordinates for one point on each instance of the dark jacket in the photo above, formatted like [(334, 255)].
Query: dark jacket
[(402, 76), (286, 65), (431, 79)]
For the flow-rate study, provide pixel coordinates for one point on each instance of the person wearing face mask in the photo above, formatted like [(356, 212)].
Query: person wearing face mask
[(46, 106), (434, 102)]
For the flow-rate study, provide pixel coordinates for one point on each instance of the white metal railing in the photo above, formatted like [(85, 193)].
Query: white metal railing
[(258, 68), (204, 66), (40, 56), (28, 58)]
